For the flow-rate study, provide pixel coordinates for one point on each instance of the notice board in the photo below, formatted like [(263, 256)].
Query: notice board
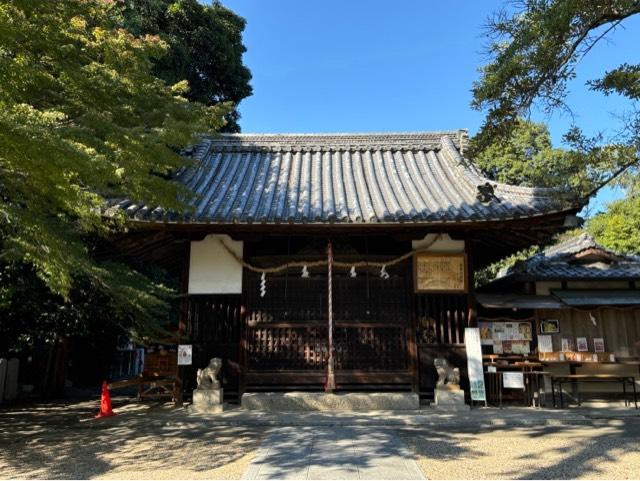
[(440, 272)]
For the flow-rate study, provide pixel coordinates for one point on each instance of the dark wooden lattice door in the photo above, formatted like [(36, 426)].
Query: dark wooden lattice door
[(286, 329)]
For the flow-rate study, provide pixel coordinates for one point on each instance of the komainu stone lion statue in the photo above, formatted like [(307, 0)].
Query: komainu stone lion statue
[(447, 375), (207, 378)]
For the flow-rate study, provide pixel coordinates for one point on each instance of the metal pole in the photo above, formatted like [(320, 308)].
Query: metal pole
[(331, 383)]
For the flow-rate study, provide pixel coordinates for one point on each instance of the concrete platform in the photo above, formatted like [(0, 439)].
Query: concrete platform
[(316, 401)]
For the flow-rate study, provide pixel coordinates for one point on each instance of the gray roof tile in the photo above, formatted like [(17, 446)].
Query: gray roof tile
[(344, 178), (561, 261)]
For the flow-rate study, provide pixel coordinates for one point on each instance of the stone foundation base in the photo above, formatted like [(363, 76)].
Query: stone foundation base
[(312, 401), (450, 400), (207, 401)]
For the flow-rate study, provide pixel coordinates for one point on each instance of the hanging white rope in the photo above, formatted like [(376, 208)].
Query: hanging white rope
[(263, 284), (383, 272), (346, 265)]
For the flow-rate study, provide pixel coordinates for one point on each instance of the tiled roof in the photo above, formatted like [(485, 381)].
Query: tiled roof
[(344, 178), (574, 245), (562, 261)]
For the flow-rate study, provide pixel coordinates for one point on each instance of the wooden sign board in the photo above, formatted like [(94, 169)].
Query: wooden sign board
[(440, 272)]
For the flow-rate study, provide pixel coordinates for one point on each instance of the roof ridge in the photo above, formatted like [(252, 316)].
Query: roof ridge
[(573, 245), (411, 133), (474, 174)]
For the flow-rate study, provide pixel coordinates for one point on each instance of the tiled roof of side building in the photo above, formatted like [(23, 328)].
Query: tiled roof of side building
[(345, 178), (563, 261)]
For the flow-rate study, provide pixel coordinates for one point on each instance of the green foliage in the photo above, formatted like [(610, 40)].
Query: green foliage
[(32, 315), (489, 273), (83, 120), (204, 47), (534, 50), (526, 158), (619, 227)]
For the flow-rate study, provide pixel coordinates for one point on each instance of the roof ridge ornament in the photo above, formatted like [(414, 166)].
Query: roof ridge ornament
[(486, 193)]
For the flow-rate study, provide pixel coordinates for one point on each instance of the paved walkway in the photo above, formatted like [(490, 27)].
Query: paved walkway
[(333, 453)]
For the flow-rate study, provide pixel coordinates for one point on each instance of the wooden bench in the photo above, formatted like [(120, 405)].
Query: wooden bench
[(159, 377), (574, 379)]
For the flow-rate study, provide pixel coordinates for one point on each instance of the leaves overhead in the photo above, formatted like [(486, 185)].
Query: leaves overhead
[(534, 50), (619, 227), (204, 47), (83, 119), (534, 53)]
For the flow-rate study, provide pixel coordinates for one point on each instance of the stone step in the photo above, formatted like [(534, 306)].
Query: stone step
[(315, 401)]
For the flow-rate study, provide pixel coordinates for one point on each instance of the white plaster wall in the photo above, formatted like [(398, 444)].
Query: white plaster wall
[(212, 269), (443, 244)]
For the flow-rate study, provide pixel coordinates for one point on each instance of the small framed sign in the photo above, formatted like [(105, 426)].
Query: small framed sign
[(598, 344), (440, 272), (581, 342), (513, 380), (185, 354), (549, 326)]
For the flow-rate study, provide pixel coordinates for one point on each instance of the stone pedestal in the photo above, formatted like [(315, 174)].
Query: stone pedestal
[(450, 399), (207, 401), (319, 401)]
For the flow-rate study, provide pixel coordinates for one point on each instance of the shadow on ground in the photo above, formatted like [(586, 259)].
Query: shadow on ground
[(601, 450), (63, 441), (56, 441), (340, 452)]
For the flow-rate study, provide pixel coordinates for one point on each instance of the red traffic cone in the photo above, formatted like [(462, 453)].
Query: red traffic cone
[(105, 402)]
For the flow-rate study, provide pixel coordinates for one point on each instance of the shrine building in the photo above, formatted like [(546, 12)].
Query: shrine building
[(336, 260)]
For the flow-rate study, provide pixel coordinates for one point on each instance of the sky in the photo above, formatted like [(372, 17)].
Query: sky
[(406, 65)]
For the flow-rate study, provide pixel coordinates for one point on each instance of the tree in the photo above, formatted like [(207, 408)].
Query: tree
[(619, 227), (526, 158), (534, 51), (84, 120), (205, 48)]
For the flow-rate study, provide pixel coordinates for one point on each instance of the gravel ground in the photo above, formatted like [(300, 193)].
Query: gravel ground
[(608, 451), (62, 441)]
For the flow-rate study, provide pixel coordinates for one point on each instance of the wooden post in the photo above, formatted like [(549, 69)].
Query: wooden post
[(472, 317), (331, 382), (412, 330), (183, 316)]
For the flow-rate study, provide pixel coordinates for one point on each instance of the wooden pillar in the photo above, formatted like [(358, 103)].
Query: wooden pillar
[(243, 343), (414, 357), (183, 315), (472, 305), (184, 289)]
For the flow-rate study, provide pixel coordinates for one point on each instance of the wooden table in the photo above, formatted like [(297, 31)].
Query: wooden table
[(532, 377), (574, 379)]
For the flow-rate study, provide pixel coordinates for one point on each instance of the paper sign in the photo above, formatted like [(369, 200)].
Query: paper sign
[(491, 369), (582, 344), (474, 363), (544, 343), (513, 380), (440, 272), (185, 354), (598, 344)]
